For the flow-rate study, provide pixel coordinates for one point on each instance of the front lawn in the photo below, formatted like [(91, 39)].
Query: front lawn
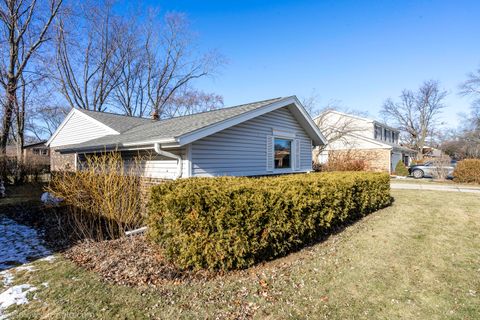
[(418, 259)]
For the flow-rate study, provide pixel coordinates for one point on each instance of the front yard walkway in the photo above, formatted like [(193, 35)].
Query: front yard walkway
[(434, 187)]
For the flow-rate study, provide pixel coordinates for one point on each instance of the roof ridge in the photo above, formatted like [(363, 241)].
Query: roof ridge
[(187, 115), (112, 113), (224, 108)]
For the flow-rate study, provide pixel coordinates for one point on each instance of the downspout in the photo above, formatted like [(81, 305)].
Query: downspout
[(167, 154)]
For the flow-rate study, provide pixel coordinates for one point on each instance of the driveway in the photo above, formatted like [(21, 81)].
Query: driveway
[(435, 187)]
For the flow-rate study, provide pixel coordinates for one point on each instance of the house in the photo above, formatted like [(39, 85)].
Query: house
[(261, 138), (377, 143), (37, 154)]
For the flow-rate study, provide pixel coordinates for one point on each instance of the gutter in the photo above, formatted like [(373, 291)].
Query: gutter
[(167, 154)]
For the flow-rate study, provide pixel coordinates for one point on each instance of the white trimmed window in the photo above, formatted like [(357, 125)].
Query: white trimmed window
[(282, 153)]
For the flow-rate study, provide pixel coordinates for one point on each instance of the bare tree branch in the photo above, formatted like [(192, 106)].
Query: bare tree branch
[(416, 113)]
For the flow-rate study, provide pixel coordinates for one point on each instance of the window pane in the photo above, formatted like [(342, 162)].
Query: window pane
[(283, 150)]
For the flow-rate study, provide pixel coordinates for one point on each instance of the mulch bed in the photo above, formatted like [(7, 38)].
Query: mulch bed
[(131, 261)]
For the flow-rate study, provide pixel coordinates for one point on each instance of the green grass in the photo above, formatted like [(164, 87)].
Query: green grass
[(418, 259)]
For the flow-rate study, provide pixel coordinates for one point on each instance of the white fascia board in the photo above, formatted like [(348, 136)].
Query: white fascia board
[(301, 116), (308, 124), (105, 148), (145, 142)]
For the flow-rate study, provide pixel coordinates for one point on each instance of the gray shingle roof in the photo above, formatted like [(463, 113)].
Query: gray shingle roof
[(146, 130), (117, 122)]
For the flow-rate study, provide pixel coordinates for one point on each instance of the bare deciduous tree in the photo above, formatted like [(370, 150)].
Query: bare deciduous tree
[(171, 64), (45, 119), (471, 87), (87, 60), (25, 27), (416, 113), (119, 64), (187, 102), (336, 126)]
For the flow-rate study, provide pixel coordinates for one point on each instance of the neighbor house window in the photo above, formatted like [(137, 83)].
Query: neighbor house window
[(44, 152), (36, 151), (378, 133), (283, 151)]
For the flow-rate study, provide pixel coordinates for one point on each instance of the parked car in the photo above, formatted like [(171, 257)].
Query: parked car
[(428, 170)]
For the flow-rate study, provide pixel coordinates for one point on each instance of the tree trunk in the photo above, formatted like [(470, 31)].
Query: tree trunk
[(7, 117), (19, 172)]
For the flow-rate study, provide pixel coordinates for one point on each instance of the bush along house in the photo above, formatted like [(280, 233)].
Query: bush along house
[(268, 137), (374, 142)]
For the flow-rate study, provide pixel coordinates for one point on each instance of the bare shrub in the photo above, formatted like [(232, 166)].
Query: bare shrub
[(102, 199), (348, 160), (441, 167)]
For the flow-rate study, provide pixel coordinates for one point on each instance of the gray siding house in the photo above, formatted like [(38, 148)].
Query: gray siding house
[(274, 136)]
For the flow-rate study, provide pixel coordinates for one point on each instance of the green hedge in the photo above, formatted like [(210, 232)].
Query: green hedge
[(232, 223), (467, 171)]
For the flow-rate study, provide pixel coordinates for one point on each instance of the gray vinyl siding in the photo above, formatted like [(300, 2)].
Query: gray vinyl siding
[(241, 149)]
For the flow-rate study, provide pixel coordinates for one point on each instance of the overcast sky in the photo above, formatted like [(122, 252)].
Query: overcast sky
[(357, 52)]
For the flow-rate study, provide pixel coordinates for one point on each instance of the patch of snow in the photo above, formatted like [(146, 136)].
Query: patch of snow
[(19, 244), (49, 199), (27, 268), (7, 277), (15, 295), (50, 259), (45, 284)]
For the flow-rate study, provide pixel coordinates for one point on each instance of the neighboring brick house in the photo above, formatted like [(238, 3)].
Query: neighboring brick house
[(35, 153), (370, 140)]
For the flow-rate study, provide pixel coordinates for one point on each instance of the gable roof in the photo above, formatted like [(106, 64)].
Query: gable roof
[(118, 122), (40, 143), (186, 129)]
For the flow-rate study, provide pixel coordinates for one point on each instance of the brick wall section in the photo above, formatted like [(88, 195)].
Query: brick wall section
[(61, 162), (378, 160), (146, 184)]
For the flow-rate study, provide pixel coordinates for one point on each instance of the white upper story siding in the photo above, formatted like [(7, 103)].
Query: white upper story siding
[(371, 129)]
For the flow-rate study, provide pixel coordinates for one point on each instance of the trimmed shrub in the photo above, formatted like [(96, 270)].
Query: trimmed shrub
[(400, 169), (467, 171), (232, 222)]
